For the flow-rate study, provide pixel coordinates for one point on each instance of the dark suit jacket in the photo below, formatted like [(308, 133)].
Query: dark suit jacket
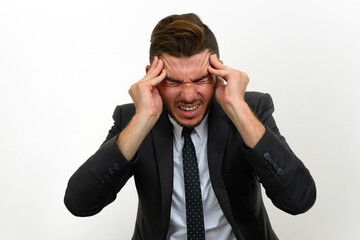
[(235, 173)]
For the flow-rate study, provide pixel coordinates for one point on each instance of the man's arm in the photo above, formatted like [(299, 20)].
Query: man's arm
[(287, 181), (148, 104), (96, 183), (230, 91)]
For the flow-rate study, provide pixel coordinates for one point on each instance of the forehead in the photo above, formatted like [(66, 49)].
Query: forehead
[(191, 66)]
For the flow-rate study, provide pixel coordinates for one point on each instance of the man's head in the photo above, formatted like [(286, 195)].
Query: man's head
[(182, 36), (185, 44)]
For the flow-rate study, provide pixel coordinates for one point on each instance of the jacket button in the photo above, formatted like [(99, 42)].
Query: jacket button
[(280, 172), (271, 161), (111, 171), (116, 166), (276, 167), (267, 156), (106, 176), (102, 180)]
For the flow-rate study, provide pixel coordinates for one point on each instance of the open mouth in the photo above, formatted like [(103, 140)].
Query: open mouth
[(189, 109)]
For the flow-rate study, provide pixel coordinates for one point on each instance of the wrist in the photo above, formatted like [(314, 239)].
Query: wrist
[(248, 125), (133, 134), (235, 109), (145, 122), (147, 118)]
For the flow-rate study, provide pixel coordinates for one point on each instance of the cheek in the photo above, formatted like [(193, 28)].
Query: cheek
[(167, 94), (207, 91)]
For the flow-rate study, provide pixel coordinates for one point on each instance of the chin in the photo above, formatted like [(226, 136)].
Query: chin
[(189, 123)]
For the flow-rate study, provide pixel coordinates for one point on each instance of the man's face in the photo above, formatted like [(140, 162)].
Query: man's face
[(188, 87)]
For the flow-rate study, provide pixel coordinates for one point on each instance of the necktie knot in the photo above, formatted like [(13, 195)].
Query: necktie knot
[(186, 132)]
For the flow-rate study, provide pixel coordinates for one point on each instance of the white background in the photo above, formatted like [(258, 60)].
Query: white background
[(65, 65)]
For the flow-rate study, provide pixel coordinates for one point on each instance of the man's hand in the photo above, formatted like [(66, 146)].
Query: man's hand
[(230, 91), (148, 105), (145, 94), (231, 85)]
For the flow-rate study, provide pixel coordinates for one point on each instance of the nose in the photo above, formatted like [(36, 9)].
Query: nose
[(188, 92)]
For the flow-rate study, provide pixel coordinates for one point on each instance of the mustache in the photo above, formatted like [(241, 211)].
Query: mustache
[(189, 102)]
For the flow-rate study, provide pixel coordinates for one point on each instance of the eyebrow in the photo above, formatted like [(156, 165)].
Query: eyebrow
[(198, 79)]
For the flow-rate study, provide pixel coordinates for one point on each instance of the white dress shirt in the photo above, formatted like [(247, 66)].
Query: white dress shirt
[(215, 223)]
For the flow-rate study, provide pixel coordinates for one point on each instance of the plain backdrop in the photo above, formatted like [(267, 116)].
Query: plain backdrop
[(65, 65)]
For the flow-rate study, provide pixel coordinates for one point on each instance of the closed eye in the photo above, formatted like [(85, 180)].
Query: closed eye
[(171, 82), (203, 80)]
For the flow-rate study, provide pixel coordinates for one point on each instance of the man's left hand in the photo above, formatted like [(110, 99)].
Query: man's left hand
[(231, 85), (230, 92)]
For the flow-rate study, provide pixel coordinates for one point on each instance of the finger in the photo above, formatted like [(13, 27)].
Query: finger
[(220, 88), (157, 80), (154, 63), (157, 69), (219, 73), (154, 70), (220, 82), (216, 63), (150, 68)]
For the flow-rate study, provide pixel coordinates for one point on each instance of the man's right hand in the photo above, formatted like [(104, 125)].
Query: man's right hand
[(148, 105), (145, 95)]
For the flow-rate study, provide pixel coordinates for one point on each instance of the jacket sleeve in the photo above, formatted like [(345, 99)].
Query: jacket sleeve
[(286, 180), (96, 183)]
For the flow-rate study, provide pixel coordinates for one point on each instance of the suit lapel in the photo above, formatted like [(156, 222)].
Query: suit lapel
[(162, 135), (218, 129)]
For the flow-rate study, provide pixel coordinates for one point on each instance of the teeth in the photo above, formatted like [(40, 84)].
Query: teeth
[(189, 108)]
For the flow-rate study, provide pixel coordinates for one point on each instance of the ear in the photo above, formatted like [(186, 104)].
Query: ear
[(147, 68)]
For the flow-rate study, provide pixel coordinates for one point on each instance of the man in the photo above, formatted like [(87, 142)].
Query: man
[(197, 145)]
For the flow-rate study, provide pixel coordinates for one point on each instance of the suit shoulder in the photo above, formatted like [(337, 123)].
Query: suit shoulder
[(123, 113), (258, 101)]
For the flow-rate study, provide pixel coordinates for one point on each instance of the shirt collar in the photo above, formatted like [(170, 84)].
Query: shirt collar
[(200, 129)]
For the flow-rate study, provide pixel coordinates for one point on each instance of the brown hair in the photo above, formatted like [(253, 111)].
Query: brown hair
[(182, 36)]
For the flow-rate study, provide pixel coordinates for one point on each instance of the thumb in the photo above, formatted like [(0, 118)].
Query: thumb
[(219, 88)]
